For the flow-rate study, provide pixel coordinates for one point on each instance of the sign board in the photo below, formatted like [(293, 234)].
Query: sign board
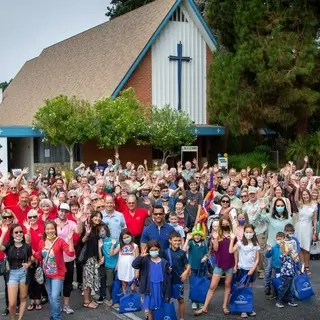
[(223, 164), (189, 149)]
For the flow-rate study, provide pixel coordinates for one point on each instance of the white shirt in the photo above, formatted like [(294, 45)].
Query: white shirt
[(247, 255)]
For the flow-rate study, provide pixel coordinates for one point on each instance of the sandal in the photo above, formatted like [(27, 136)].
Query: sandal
[(109, 303), (252, 314), (90, 305), (308, 272), (225, 311), (244, 315), (200, 312), (39, 307), (30, 306)]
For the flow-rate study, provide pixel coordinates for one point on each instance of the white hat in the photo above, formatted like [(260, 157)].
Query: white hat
[(64, 206), (252, 190)]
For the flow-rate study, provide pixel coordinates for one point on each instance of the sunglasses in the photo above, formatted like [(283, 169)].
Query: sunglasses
[(197, 177), (1, 185), (72, 196), (225, 201), (95, 199), (111, 171), (18, 232), (32, 217), (158, 214), (130, 202), (7, 217), (13, 188), (219, 177)]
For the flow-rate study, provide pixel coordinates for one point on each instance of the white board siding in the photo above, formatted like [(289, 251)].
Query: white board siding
[(165, 72)]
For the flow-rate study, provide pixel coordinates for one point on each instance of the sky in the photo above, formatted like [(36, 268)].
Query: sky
[(29, 26)]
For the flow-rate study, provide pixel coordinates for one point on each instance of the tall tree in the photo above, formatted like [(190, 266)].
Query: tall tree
[(169, 129), (66, 121), (120, 7), (4, 85), (267, 70)]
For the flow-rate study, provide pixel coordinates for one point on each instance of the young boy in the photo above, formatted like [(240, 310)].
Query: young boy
[(288, 260), (180, 269), (275, 252), (290, 239), (183, 217), (173, 220)]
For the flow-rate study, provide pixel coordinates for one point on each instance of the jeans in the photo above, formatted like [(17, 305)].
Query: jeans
[(54, 288), (103, 279), (267, 272), (68, 279), (286, 289)]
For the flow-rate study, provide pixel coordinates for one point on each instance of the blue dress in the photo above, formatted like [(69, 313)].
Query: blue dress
[(154, 300)]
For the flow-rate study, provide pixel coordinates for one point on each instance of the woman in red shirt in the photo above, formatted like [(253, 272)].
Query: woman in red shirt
[(51, 251)]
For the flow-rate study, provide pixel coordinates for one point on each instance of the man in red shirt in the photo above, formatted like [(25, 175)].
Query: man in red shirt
[(31, 187), (20, 210), (135, 218)]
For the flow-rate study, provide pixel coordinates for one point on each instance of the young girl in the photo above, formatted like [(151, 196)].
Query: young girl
[(154, 276), (214, 232), (242, 220), (108, 255), (128, 252), (248, 249), (225, 263)]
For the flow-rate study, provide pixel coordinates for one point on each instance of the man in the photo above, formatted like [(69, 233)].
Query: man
[(235, 201), (133, 183), (194, 201), (10, 198), (100, 190), (31, 187), (114, 219), (21, 209), (255, 209), (135, 218), (188, 172), (158, 230), (244, 196), (111, 165)]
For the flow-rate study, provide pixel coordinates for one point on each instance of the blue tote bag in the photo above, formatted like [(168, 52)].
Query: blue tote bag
[(303, 287), (116, 290), (242, 297), (130, 302), (199, 287), (166, 312), (176, 289), (276, 283)]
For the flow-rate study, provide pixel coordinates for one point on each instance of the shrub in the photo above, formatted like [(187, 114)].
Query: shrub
[(252, 159)]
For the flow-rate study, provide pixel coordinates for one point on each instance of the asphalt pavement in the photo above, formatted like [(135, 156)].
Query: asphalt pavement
[(264, 308)]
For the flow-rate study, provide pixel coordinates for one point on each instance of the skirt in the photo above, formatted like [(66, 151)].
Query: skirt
[(91, 275), (154, 300)]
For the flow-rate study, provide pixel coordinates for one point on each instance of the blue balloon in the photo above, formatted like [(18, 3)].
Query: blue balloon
[(219, 155)]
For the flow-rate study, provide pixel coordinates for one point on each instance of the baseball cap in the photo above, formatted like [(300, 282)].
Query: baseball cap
[(252, 190), (64, 206)]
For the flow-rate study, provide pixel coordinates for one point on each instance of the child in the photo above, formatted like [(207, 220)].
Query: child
[(128, 252), (154, 277), (183, 217), (198, 255), (290, 239), (180, 269), (108, 254), (173, 219), (214, 233), (248, 249), (242, 219), (287, 272), (274, 252)]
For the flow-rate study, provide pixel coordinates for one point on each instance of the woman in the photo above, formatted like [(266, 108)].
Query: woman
[(19, 258), (277, 220), (50, 251), (90, 268), (225, 264), (278, 194), (306, 227), (47, 210), (7, 220), (34, 202), (33, 234)]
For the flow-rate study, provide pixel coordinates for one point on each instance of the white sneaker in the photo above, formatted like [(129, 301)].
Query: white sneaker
[(292, 304), (67, 309), (194, 306)]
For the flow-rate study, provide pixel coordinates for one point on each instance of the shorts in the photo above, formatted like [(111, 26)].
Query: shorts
[(241, 273), (17, 276), (177, 291), (221, 271)]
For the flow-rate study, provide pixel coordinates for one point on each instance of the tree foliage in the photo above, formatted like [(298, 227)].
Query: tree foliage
[(266, 71), (120, 7), (119, 120), (169, 129), (4, 85), (65, 121)]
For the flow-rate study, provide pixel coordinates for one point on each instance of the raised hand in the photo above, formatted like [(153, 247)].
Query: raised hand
[(205, 165), (88, 230), (232, 236), (291, 163), (113, 242), (27, 225), (25, 170), (216, 168), (269, 247), (70, 235), (248, 169), (116, 155), (194, 161), (263, 166), (145, 162), (144, 253), (189, 236), (179, 164), (181, 184), (4, 229), (306, 159)]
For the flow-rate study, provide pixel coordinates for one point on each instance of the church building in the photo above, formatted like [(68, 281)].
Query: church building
[(163, 50)]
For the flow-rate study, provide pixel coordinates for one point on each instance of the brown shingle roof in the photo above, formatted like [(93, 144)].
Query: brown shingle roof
[(89, 65)]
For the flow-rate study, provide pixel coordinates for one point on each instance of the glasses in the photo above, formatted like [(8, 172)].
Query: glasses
[(72, 196), (164, 200), (95, 199), (32, 217), (130, 202), (219, 177), (18, 232), (100, 207), (7, 217), (13, 188), (197, 177), (158, 214), (225, 201), (243, 196), (111, 170)]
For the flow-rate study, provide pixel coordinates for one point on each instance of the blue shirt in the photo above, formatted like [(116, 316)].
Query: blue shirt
[(109, 261), (161, 234), (275, 254), (115, 222), (178, 263)]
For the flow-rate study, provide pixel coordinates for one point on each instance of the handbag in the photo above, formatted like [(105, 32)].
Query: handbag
[(130, 302), (39, 274), (83, 254), (242, 297), (303, 287), (199, 287), (166, 312), (277, 284), (116, 290), (177, 288)]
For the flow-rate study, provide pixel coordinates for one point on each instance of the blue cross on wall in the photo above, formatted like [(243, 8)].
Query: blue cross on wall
[(180, 59)]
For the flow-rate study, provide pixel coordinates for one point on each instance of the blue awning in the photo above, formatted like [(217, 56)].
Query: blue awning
[(207, 130)]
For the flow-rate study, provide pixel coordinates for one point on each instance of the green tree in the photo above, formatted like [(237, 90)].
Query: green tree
[(120, 7), (169, 129), (66, 121), (267, 70), (4, 85), (119, 120)]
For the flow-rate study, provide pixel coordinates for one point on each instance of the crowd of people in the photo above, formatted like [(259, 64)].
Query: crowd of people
[(153, 228)]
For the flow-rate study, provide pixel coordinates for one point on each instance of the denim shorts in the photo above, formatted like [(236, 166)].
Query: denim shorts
[(17, 276), (220, 271)]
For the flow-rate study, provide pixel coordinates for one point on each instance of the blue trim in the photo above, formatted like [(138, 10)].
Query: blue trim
[(209, 130), (19, 132), (204, 24)]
